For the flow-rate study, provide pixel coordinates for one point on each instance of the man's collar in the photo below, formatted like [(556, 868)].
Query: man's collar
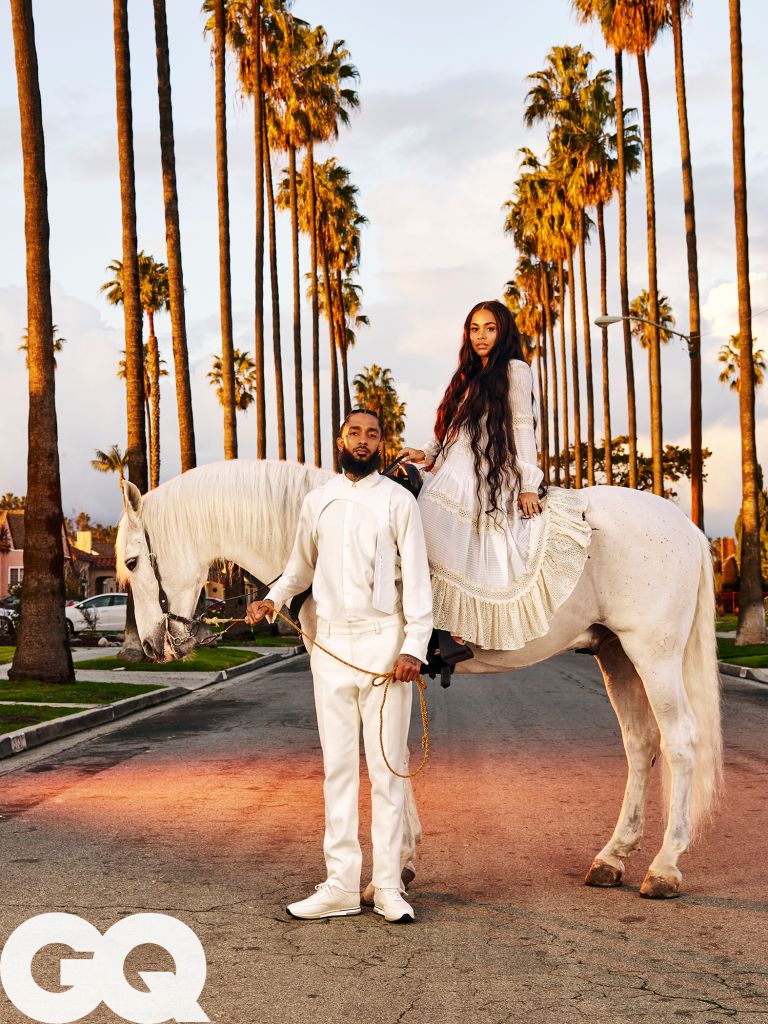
[(367, 481)]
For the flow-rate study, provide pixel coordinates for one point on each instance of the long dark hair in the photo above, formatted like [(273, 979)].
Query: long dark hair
[(477, 399)]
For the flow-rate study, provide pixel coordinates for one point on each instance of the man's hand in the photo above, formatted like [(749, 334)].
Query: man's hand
[(407, 668), (256, 611)]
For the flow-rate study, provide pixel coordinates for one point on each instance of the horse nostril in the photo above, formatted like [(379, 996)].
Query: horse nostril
[(148, 649)]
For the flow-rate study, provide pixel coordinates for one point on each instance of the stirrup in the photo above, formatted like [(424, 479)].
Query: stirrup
[(443, 654)]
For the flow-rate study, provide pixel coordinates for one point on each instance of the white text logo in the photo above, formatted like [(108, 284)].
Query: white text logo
[(171, 995)]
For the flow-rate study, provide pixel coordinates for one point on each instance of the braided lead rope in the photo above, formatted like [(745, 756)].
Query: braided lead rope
[(379, 679)]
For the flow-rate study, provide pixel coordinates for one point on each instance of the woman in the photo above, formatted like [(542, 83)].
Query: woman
[(503, 557)]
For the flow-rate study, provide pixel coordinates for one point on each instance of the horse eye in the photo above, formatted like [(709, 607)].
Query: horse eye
[(130, 564)]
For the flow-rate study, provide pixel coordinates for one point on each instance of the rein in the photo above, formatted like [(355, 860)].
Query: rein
[(192, 625)]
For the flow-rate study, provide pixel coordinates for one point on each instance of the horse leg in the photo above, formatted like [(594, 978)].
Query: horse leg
[(641, 744), (662, 675)]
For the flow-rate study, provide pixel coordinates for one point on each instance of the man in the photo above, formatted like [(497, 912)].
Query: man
[(360, 544)]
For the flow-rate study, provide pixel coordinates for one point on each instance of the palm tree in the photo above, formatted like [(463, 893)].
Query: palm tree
[(633, 25), (276, 347), (640, 307), (677, 7), (136, 448), (246, 379), (751, 626), (534, 221), (112, 461), (154, 295), (225, 271), (56, 339), (42, 652), (159, 369), (729, 356), (326, 107), (173, 243), (375, 390)]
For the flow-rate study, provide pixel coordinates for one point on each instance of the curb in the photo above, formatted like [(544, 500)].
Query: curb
[(741, 672), (36, 735)]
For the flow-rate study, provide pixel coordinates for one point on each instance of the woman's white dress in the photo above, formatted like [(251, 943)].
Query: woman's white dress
[(497, 579)]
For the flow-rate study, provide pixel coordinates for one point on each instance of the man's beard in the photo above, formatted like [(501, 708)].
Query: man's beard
[(358, 467)]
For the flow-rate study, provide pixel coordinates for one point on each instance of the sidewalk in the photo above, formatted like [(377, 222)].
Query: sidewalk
[(171, 685)]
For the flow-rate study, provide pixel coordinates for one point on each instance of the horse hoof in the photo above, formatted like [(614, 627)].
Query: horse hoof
[(603, 876), (366, 896), (656, 887), (407, 877)]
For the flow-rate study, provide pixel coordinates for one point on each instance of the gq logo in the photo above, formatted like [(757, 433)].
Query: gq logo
[(101, 978)]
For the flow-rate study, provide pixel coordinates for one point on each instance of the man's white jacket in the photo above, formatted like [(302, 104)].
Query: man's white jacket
[(360, 545)]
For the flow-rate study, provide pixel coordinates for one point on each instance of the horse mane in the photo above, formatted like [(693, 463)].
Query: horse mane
[(246, 497)]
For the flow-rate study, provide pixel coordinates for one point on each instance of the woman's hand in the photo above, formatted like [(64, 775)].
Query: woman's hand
[(416, 456), (529, 504)]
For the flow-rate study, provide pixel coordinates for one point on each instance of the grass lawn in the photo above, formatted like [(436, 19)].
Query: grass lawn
[(73, 693), (12, 718), (753, 655), (6, 654), (210, 659)]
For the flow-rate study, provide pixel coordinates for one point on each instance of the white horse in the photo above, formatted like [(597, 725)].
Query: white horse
[(644, 607)]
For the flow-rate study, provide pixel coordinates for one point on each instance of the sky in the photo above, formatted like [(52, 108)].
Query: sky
[(434, 151)]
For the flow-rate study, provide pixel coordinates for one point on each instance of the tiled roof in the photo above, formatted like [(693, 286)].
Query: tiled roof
[(14, 520)]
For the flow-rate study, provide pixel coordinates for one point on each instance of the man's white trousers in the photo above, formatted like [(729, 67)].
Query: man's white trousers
[(344, 698)]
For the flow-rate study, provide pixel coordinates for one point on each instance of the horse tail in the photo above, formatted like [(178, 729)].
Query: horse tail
[(702, 686)]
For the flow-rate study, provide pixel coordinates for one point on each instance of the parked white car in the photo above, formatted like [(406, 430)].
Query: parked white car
[(104, 613), (7, 626)]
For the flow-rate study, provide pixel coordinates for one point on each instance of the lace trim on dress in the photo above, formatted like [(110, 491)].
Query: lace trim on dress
[(505, 620), (486, 521)]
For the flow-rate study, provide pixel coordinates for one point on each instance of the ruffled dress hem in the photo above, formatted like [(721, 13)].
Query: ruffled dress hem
[(507, 620)]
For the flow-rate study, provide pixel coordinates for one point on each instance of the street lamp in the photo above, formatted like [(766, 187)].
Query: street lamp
[(697, 462), (607, 320)]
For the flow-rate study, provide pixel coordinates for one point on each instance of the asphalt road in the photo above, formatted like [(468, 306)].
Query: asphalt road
[(210, 810)]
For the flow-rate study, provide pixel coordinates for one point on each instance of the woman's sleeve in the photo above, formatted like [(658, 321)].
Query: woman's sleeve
[(521, 406), (431, 449)]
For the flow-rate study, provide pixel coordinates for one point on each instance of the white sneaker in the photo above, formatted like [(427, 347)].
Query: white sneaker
[(392, 907), (327, 901)]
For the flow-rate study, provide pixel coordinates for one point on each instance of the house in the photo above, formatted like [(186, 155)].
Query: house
[(94, 571), (11, 549)]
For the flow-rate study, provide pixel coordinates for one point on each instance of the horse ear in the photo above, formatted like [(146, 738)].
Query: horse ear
[(131, 500)]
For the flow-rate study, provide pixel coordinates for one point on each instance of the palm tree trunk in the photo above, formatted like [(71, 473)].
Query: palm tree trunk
[(297, 360), (694, 311), (42, 652), (623, 274), (277, 351), (555, 399), (136, 448), (751, 626), (329, 304), (587, 354), (540, 340), (258, 103), (315, 304), (153, 359), (225, 272), (343, 347), (544, 410), (173, 244), (577, 469), (566, 450), (657, 442), (606, 378)]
